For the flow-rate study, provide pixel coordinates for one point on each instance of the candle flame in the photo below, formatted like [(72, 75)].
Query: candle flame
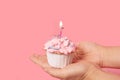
[(61, 25)]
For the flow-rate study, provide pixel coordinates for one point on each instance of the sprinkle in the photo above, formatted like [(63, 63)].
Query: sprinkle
[(62, 45)]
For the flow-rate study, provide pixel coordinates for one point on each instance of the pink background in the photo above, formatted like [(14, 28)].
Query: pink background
[(25, 25)]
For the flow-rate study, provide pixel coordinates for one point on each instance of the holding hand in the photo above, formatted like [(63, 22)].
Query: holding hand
[(77, 71), (88, 58)]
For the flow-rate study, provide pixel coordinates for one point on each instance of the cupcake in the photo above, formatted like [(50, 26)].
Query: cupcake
[(59, 51)]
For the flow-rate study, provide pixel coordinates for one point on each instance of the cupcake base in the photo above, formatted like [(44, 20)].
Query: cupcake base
[(59, 60)]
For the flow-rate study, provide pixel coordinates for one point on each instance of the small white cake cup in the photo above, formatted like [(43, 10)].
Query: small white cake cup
[(59, 60)]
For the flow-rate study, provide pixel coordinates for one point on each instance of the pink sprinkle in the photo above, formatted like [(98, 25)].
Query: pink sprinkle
[(60, 45)]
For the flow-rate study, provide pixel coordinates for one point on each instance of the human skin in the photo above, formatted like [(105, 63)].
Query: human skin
[(88, 60), (111, 56), (104, 56)]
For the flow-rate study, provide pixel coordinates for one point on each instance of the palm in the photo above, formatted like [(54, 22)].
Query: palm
[(75, 71)]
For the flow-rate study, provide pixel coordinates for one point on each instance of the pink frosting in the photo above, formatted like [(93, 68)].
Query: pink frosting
[(62, 45)]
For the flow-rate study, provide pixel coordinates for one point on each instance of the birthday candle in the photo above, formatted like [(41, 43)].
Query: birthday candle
[(61, 28)]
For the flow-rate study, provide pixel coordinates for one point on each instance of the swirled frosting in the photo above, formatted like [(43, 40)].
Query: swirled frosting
[(60, 45)]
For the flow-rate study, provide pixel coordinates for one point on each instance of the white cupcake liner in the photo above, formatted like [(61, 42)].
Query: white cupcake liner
[(59, 60)]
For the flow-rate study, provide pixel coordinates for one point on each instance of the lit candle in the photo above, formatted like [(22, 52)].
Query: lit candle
[(61, 28)]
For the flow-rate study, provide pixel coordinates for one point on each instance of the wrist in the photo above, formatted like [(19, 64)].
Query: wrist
[(110, 57), (103, 56), (100, 51)]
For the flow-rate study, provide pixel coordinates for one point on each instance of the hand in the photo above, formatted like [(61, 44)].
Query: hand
[(88, 57), (90, 52), (81, 70)]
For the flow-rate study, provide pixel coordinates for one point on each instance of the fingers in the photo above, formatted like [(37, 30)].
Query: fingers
[(87, 46), (83, 48), (78, 54), (57, 72), (41, 60), (34, 58)]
